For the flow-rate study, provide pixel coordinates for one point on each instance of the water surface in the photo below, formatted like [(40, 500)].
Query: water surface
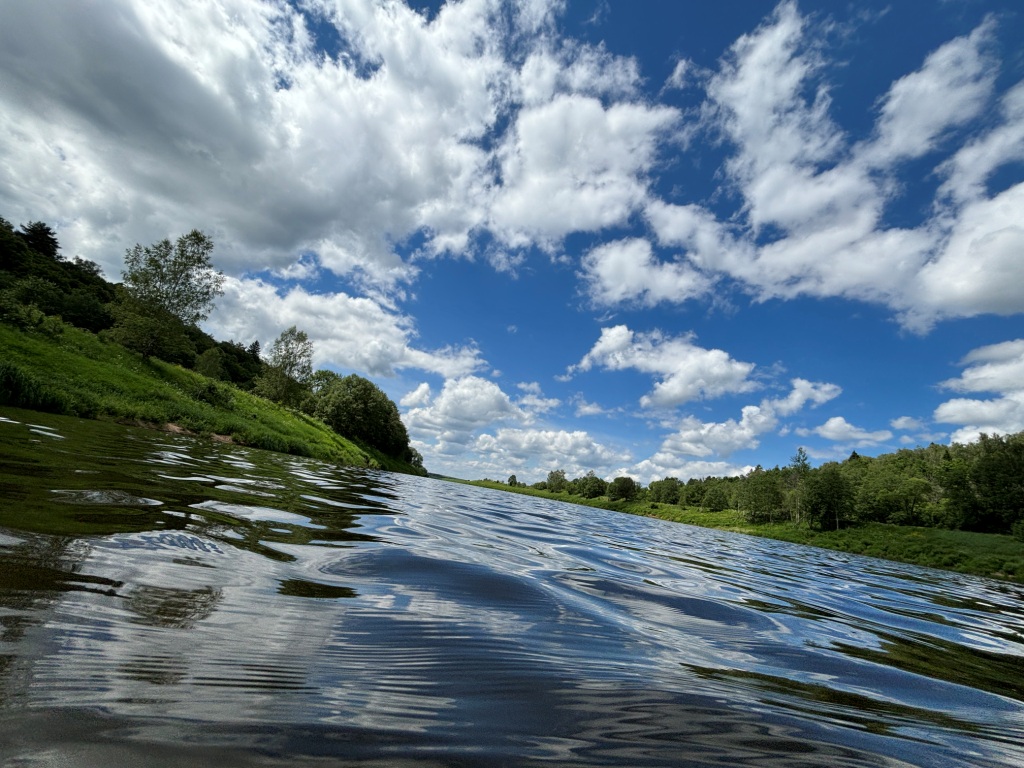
[(166, 600)]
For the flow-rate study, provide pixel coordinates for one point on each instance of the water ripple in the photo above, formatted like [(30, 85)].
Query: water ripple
[(263, 608)]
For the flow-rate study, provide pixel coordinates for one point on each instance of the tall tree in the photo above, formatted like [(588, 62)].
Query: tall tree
[(178, 278), (557, 481), (828, 497), (289, 368), (41, 239)]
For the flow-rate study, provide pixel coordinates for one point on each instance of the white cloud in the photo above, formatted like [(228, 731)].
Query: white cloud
[(482, 122), (347, 332), (685, 371), (543, 450), (972, 165), (700, 438), (682, 73), (840, 430), (997, 369), (906, 423), (665, 464), (417, 397), (949, 90), (464, 406), (572, 164), (978, 268), (813, 204), (626, 270)]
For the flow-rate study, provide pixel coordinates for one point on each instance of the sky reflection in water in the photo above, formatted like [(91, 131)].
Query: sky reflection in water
[(169, 600)]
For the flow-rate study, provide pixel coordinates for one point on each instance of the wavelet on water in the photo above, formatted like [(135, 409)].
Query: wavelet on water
[(169, 601)]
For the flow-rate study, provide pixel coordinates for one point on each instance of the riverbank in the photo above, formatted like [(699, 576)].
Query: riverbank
[(64, 370), (978, 554)]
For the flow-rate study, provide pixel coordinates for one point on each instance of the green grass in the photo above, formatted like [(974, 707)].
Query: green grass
[(75, 373), (979, 554)]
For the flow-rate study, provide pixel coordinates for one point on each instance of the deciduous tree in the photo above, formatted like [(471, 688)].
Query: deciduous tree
[(177, 278)]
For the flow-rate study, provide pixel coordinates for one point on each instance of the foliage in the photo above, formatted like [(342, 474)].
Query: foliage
[(286, 377), (292, 352), (168, 288), (591, 486), (21, 389), (624, 488), (665, 491), (556, 482), (760, 495), (151, 331), (40, 238), (828, 497), (715, 498), (78, 374), (357, 408), (178, 278)]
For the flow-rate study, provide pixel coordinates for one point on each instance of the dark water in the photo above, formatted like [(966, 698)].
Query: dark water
[(170, 601)]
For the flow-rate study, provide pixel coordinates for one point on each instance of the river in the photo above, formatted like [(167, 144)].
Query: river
[(167, 600)]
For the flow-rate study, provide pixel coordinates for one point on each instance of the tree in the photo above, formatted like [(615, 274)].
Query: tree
[(292, 352), (357, 408), (622, 487), (513, 481), (151, 331), (592, 486), (665, 491), (41, 239), (556, 480), (761, 495), (828, 497), (715, 498), (796, 473), (176, 278), (289, 369)]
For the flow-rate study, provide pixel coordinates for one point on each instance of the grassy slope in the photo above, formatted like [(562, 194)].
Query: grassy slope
[(979, 554), (74, 372)]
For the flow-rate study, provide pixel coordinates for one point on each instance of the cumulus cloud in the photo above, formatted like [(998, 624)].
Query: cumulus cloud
[(684, 371), (544, 450), (573, 164), (235, 138), (450, 421), (840, 430), (700, 438), (950, 89), (904, 423), (347, 332), (997, 369), (436, 132), (626, 270), (812, 216)]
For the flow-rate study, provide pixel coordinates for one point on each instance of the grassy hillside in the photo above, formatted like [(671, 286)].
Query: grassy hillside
[(61, 369), (979, 554)]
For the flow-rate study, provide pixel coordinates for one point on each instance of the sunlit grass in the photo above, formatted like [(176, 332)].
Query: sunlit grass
[(75, 373)]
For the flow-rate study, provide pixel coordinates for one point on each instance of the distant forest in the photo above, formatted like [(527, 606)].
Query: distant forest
[(167, 289), (976, 487)]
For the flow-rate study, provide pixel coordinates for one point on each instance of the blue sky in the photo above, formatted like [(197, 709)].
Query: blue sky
[(645, 238)]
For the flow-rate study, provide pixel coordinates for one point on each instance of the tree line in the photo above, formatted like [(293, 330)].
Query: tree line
[(167, 289), (974, 487)]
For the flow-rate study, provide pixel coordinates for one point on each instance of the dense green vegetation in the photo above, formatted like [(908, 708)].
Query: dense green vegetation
[(75, 344), (959, 507), (980, 554)]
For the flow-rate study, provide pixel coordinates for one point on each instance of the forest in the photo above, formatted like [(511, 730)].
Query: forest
[(976, 487), (168, 288)]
